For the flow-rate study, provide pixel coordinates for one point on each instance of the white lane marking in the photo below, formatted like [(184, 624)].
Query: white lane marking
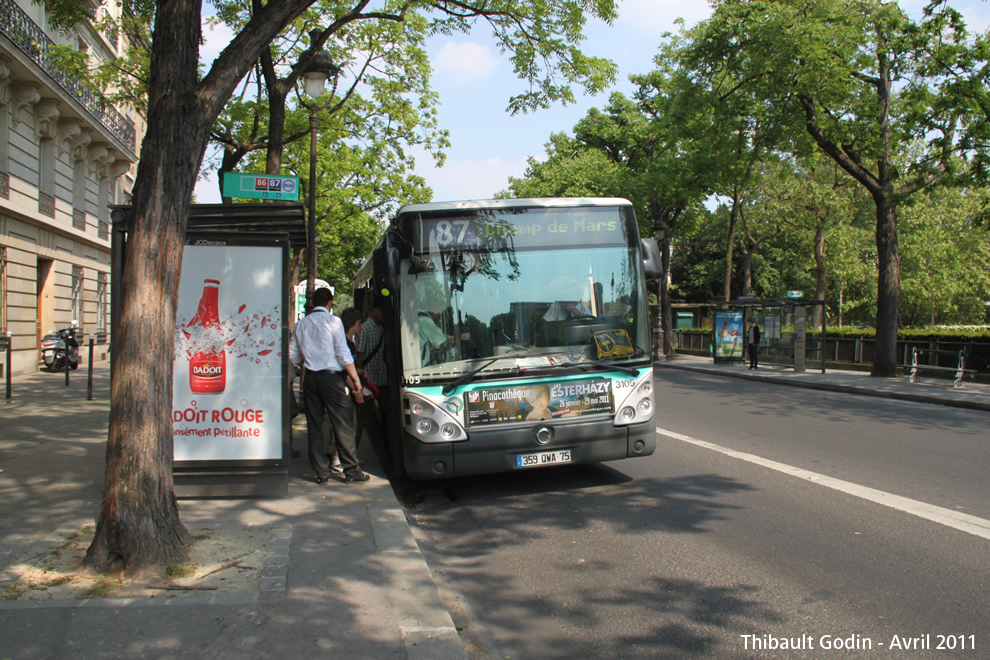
[(961, 521)]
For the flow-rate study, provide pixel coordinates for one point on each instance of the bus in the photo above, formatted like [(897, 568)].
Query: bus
[(516, 334)]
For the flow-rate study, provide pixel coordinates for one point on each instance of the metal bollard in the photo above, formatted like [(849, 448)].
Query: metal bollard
[(89, 386)]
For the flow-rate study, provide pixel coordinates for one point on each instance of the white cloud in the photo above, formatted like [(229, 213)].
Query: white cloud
[(464, 61)]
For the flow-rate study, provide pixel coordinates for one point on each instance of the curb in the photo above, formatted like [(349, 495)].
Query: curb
[(425, 625), (832, 387)]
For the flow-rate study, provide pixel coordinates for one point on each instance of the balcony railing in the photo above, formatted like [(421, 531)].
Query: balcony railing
[(33, 42)]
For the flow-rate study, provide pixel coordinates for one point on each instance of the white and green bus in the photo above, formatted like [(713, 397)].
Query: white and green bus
[(516, 334)]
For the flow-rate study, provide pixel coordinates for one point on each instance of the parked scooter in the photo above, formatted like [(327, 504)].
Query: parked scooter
[(61, 348)]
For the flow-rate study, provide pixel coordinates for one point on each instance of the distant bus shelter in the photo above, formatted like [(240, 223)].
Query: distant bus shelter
[(729, 328)]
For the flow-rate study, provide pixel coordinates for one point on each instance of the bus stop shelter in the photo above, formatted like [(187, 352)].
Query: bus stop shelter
[(231, 422), (730, 320)]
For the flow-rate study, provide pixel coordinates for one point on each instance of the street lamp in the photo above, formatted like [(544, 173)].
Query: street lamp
[(315, 76)]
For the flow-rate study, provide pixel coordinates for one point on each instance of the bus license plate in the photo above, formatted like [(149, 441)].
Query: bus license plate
[(544, 458)]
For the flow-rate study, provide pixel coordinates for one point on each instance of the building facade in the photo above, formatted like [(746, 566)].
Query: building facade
[(66, 155)]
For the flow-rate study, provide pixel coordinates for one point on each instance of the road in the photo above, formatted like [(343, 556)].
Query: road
[(771, 522)]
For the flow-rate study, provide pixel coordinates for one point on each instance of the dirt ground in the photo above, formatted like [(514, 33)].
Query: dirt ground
[(223, 560)]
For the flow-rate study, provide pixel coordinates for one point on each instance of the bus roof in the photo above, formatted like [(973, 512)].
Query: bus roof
[(546, 202)]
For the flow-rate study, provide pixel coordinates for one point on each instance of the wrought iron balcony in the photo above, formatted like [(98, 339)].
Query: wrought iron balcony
[(33, 42)]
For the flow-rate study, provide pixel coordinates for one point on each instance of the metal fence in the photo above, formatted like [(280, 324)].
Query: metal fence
[(852, 350)]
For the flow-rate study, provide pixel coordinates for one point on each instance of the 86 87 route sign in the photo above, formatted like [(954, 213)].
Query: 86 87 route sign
[(261, 186)]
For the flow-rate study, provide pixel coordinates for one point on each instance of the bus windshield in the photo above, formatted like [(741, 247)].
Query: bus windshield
[(539, 287)]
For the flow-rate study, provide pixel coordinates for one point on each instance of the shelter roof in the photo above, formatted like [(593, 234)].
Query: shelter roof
[(263, 218)]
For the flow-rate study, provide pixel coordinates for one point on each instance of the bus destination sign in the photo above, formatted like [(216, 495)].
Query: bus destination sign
[(561, 228)]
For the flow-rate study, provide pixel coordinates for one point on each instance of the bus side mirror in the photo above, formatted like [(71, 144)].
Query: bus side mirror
[(386, 269), (652, 267)]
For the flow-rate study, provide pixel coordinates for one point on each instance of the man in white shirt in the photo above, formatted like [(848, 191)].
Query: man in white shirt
[(319, 343)]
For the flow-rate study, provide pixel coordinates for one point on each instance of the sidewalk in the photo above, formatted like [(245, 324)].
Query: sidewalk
[(343, 577), (974, 396)]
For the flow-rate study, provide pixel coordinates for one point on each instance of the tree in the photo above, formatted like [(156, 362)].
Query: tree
[(946, 261), (378, 106), (139, 527), (861, 75)]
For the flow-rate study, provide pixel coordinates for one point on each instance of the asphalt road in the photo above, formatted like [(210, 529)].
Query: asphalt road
[(769, 517)]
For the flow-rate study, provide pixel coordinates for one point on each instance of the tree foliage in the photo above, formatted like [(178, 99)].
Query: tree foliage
[(861, 75)]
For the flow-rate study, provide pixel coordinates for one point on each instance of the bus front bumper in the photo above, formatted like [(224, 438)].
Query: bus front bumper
[(497, 449)]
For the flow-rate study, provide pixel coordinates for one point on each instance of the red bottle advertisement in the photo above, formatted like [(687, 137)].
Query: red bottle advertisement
[(207, 362)]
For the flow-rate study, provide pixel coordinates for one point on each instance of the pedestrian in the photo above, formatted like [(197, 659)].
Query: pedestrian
[(753, 344), (352, 320), (371, 358), (320, 345)]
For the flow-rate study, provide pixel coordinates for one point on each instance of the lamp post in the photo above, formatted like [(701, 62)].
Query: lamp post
[(315, 77), (660, 328)]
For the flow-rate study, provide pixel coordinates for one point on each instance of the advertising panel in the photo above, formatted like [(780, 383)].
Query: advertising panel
[(728, 334), (229, 367), (536, 401)]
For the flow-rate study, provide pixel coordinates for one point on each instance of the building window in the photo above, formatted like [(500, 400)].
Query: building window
[(79, 195), (3, 289), (103, 231), (4, 140), (46, 182), (102, 304), (77, 293)]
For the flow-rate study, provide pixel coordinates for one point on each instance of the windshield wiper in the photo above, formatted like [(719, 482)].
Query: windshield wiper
[(603, 365), (469, 376)]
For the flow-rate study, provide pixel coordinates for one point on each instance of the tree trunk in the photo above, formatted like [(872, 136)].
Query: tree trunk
[(822, 272), (666, 314), (139, 527), (888, 288), (747, 269), (729, 247)]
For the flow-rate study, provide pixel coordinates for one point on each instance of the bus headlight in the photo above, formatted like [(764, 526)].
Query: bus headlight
[(637, 407), (428, 422)]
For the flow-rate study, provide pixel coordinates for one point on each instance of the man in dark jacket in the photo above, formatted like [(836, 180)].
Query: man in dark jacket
[(753, 344)]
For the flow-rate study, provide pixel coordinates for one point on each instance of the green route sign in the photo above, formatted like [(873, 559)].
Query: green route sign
[(261, 186)]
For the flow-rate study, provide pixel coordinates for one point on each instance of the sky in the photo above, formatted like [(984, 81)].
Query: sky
[(475, 81)]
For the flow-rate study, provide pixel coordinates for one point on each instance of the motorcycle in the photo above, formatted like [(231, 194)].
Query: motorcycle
[(61, 349)]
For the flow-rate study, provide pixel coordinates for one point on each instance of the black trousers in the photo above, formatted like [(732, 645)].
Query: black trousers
[(326, 390), (754, 355)]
